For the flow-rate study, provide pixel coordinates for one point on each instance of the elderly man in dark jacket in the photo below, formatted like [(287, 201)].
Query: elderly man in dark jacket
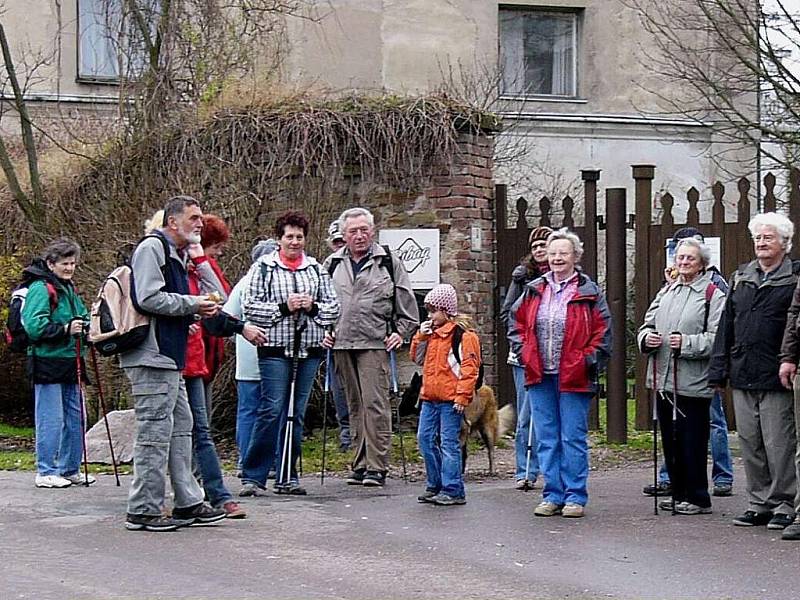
[(746, 354)]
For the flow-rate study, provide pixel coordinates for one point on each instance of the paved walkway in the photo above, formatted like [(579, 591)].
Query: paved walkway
[(349, 542)]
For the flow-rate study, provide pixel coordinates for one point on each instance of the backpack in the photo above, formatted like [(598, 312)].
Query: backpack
[(15, 335), (456, 341), (116, 325)]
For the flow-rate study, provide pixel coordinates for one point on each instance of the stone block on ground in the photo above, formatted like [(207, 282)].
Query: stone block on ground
[(122, 424)]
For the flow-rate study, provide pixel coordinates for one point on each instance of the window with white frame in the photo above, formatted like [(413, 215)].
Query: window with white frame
[(538, 52)]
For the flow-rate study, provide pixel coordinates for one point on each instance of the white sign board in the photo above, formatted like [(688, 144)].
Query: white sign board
[(419, 251), (712, 242)]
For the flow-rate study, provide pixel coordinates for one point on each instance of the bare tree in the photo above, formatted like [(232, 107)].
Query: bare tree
[(735, 63)]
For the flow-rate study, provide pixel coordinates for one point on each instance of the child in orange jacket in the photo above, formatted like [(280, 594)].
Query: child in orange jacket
[(447, 389)]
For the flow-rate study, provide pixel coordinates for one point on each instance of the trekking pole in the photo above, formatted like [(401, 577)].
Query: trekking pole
[(528, 485), (655, 435), (285, 475), (327, 389), (393, 369), (674, 417), (81, 395), (105, 412)]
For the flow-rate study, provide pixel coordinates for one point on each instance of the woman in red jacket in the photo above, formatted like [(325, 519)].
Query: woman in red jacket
[(560, 329)]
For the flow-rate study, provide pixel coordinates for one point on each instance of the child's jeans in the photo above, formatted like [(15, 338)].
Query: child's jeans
[(438, 437)]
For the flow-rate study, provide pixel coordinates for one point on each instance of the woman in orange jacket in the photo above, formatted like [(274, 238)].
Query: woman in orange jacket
[(447, 389)]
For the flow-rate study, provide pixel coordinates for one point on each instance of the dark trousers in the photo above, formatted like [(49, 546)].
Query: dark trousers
[(686, 457)]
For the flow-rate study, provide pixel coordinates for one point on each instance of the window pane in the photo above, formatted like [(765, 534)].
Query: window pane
[(538, 52), (97, 56)]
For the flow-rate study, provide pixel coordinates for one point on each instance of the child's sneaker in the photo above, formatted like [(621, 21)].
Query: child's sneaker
[(427, 496), (447, 500)]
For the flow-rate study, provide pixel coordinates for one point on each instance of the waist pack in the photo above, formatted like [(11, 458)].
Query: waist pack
[(115, 324)]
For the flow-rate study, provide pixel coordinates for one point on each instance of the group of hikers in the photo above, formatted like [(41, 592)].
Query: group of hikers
[(290, 313)]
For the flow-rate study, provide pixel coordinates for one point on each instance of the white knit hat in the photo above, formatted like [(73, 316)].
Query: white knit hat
[(443, 296)]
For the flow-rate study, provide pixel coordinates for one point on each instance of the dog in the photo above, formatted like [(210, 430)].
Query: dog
[(481, 416)]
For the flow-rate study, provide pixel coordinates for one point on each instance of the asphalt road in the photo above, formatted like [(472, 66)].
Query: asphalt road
[(350, 542)]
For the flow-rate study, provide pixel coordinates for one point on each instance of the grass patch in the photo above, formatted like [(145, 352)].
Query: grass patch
[(11, 431)]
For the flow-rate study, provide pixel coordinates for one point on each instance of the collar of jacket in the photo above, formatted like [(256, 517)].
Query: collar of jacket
[(273, 260), (445, 330), (587, 289), (375, 251), (779, 276), (699, 284)]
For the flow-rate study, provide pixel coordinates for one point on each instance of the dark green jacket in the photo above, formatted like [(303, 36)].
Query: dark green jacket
[(52, 350)]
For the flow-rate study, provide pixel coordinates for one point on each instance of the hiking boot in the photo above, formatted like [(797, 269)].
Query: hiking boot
[(79, 479), (441, 499), (356, 477), (233, 510), (572, 511), (251, 489), (289, 489), (664, 488), (792, 532), (152, 523), (547, 509), (751, 518), (52, 481), (199, 514), (722, 489), (427, 496), (374, 479), (687, 508), (780, 521)]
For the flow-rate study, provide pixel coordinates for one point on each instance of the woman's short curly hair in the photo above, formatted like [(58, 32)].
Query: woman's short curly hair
[(215, 231), (60, 249), (571, 237), (295, 218)]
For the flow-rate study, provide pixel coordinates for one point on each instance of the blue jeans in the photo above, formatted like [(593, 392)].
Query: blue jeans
[(248, 393), (342, 410), (271, 418), (524, 468), (437, 435), (205, 453), (561, 420), (722, 468), (58, 428)]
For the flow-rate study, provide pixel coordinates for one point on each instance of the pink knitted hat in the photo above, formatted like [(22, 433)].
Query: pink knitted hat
[(443, 296)]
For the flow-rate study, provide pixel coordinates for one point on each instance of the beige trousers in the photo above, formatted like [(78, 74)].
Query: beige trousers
[(364, 375)]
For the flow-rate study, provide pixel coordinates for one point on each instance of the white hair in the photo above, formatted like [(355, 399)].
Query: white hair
[(703, 249), (354, 213), (566, 234), (783, 226)]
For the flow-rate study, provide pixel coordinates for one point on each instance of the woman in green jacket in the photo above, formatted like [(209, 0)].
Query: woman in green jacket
[(53, 317)]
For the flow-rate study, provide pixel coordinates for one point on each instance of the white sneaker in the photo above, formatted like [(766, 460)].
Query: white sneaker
[(79, 479), (52, 481)]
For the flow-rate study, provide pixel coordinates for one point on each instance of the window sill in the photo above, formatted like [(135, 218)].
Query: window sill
[(109, 81), (555, 99)]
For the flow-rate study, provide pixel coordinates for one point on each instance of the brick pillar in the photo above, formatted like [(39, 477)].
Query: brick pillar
[(462, 200)]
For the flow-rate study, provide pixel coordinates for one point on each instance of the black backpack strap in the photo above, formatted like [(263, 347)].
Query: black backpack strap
[(458, 333), (334, 263), (388, 264)]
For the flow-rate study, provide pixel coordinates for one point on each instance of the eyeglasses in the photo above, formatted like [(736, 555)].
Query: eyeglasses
[(538, 245), (560, 254)]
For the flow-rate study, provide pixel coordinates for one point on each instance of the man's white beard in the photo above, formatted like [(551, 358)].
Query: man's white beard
[(193, 238)]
